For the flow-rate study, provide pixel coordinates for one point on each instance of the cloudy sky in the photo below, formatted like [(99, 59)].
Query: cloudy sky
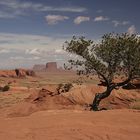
[(33, 31)]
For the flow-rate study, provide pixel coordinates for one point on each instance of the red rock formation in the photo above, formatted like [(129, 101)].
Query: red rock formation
[(30, 73), (16, 73), (7, 73), (51, 66), (20, 72)]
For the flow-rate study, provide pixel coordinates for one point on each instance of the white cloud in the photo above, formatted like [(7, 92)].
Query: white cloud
[(14, 8), (132, 29), (23, 50), (125, 22), (2, 51), (34, 51), (101, 18), (63, 9), (23, 41), (54, 19), (19, 58), (81, 19), (26, 41), (36, 58), (6, 15), (116, 23), (119, 23), (59, 51)]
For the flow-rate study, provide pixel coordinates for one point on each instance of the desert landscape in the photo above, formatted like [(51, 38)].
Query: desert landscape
[(69, 70), (33, 109)]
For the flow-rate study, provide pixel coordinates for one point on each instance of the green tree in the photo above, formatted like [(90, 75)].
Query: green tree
[(114, 55)]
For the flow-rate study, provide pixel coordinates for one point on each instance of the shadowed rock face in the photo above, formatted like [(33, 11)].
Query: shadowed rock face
[(51, 66)]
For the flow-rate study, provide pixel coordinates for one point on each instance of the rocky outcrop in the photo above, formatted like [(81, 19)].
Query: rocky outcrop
[(16, 73), (24, 73), (20, 72), (30, 73), (8, 73)]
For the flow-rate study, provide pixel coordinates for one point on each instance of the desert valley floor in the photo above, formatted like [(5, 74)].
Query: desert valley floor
[(32, 110)]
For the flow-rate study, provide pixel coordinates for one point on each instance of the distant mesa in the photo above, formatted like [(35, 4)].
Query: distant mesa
[(39, 67), (42, 67), (49, 67)]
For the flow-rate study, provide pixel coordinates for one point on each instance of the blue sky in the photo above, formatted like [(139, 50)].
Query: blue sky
[(33, 31)]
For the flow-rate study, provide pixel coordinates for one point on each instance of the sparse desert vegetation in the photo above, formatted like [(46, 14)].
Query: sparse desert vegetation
[(58, 104), (114, 56), (69, 70), (33, 105)]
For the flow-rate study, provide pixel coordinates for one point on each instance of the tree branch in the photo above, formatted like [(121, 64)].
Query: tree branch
[(124, 82), (99, 73)]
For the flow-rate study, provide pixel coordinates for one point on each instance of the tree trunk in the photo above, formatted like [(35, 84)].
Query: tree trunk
[(110, 87), (99, 97)]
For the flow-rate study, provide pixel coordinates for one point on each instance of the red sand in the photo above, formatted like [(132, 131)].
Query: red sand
[(46, 115), (73, 125)]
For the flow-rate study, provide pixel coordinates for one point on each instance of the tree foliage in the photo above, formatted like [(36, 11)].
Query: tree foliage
[(114, 55)]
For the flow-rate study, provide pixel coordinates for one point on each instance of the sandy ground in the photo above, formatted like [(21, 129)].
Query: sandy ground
[(28, 114), (73, 125)]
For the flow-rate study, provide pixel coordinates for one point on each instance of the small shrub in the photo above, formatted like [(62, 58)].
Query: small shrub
[(5, 88), (62, 88), (135, 105)]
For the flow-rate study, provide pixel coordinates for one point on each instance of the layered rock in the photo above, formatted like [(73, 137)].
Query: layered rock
[(16, 73)]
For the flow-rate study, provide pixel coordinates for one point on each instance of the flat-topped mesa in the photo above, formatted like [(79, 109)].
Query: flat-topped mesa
[(51, 66)]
